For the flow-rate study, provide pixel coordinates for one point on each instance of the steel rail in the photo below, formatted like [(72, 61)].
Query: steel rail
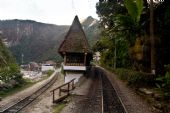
[(112, 103), (27, 100)]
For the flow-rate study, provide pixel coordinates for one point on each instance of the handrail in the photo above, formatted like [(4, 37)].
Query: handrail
[(63, 85), (60, 88)]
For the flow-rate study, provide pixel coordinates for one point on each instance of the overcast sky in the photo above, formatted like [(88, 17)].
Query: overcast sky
[(60, 12)]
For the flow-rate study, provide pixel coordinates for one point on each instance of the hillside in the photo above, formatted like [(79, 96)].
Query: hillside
[(39, 41), (91, 28), (5, 56)]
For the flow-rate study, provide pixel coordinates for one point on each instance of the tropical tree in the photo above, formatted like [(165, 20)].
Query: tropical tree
[(9, 70), (113, 32), (134, 8)]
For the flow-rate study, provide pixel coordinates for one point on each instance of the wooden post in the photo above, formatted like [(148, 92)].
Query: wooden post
[(59, 91), (85, 54), (64, 58), (68, 88), (73, 84), (153, 66)]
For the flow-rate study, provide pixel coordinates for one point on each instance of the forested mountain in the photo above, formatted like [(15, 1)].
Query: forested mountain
[(39, 41)]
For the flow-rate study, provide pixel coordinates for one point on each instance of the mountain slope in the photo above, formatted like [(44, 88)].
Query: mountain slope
[(38, 41), (91, 28)]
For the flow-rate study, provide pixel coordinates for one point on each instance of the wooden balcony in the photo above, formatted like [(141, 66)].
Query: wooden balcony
[(74, 64)]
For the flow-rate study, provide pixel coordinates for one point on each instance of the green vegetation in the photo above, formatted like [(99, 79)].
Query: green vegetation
[(50, 72), (163, 82), (125, 43), (10, 76), (135, 78), (7, 74), (12, 90), (58, 108), (8, 67)]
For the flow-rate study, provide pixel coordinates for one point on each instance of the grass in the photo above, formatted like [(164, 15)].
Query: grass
[(58, 108), (133, 78), (50, 72), (11, 91), (26, 84)]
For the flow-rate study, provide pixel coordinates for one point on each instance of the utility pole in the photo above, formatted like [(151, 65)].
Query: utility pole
[(22, 58), (153, 50), (153, 66)]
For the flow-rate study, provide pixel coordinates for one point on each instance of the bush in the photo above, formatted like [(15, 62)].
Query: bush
[(163, 83), (50, 72), (11, 73), (135, 78), (167, 68)]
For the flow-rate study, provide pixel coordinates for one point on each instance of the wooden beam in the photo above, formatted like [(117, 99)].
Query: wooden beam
[(85, 55), (64, 59)]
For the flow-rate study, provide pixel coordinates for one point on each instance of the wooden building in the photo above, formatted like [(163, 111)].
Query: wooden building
[(75, 49)]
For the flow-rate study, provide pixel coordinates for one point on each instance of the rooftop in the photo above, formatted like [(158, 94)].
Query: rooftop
[(75, 40)]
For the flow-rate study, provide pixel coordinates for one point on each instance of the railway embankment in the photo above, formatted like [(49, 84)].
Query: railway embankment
[(13, 99), (132, 102)]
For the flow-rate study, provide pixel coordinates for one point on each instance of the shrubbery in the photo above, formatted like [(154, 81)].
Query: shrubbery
[(50, 72), (163, 84), (135, 78), (10, 76)]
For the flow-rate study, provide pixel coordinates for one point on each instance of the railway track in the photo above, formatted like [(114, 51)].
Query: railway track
[(24, 102), (90, 103), (111, 100), (102, 97)]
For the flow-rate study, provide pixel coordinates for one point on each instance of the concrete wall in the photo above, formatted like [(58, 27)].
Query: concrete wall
[(46, 68), (79, 68), (70, 75)]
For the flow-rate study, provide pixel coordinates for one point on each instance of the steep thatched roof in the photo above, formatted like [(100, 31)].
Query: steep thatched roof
[(75, 40)]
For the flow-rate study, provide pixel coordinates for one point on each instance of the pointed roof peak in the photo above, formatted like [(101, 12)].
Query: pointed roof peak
[(76, 18), (75, 40)]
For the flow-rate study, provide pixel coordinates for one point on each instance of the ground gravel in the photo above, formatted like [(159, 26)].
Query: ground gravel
[(133, 102), (44, 104)]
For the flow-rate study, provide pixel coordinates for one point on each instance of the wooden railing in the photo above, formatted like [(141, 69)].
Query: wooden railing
[(74, 64), (66, 88)]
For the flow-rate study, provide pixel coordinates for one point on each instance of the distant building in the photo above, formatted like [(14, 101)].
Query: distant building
[(45, 68), (50, 62), (33, 66), (96, 57), (48, 65), (75, 51)]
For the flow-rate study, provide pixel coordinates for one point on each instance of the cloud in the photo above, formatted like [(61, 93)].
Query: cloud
[(49, 11)]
